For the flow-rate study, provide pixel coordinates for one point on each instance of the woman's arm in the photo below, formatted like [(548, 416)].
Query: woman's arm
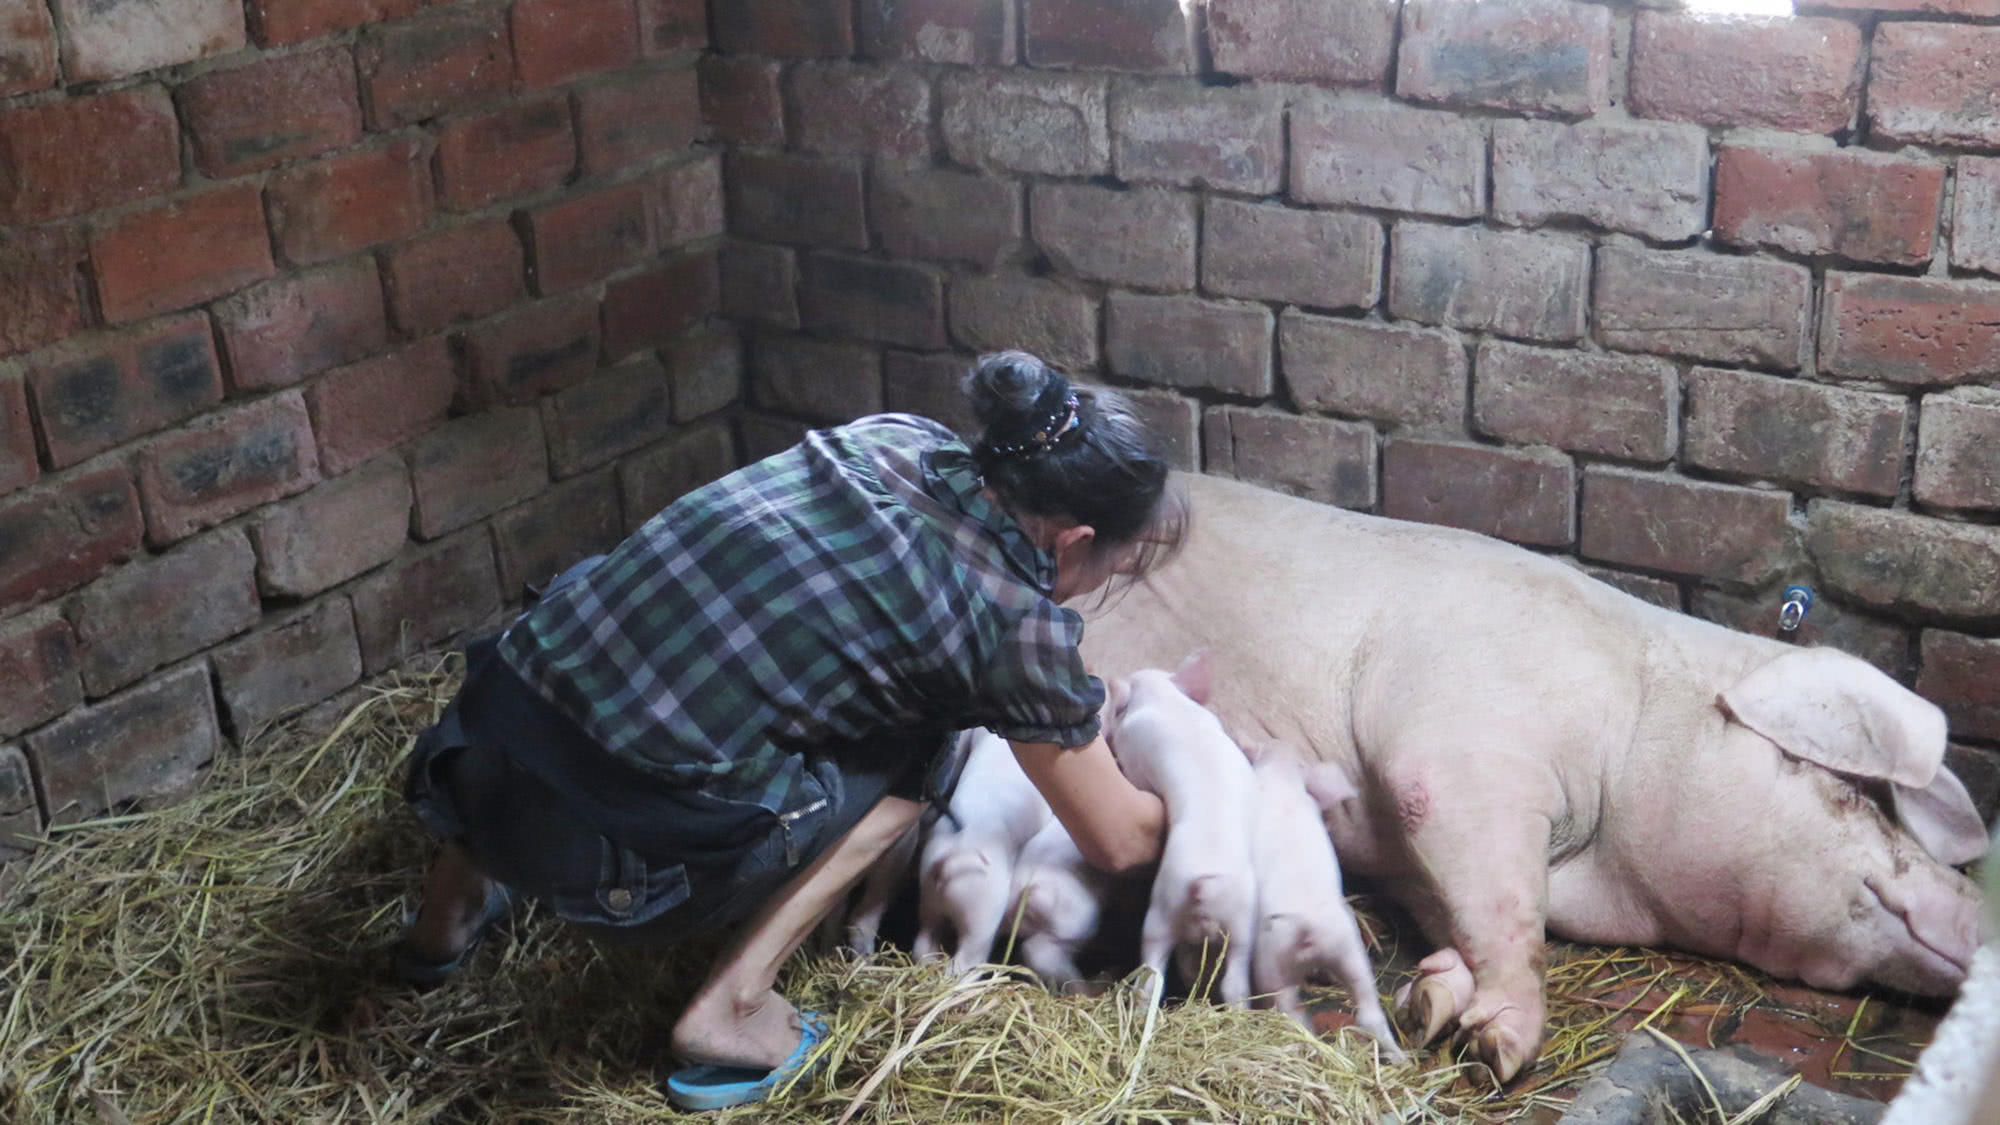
[(1116, 825)]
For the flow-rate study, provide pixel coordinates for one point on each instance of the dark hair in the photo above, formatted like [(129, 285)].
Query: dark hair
[(1048, 448)]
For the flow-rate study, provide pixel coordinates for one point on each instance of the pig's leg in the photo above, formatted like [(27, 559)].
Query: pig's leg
[(1049, 956), (1236, 953), (982, 909), (1156, 941), (864, 922), (1441, 990), (1348, 958)]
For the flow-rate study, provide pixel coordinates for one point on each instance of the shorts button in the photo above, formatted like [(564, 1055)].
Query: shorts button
[(619, 899)]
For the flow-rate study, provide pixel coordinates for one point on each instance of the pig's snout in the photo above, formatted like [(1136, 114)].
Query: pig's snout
[(1938, 916)]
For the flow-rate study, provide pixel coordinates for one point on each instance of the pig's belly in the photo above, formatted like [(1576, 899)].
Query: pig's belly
[(1587, 905)]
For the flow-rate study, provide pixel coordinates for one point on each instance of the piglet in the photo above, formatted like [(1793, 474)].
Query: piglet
[(859, 928), (966, 873), (1059, 901)]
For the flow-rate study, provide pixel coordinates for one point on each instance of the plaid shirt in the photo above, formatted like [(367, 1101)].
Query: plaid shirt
[(853, 587)]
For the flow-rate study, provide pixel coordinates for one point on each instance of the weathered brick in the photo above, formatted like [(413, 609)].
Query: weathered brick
[(1198, 136), (607, 416), (1795, 431), (1958, 449), (114, 38), (1978, 767), (1658, 591), (1143, 237), (1317, 458), (705, 371), (1646, 179), (62, 533), (1941, 7), (817, 379), (759, 284), (1366, 152), (1962, 675), (1726, 309), (585, 238), (81, 154), (18, 466), (968, 32), (862, 298), (1907, 330), (343, 527), (1390, 372), (38, 664), (1975, 217), (930, 386), (1681, 526), (21, 825), (292, 663), (1322, 259), (637, 117), (1189, 342), (181, 254), (1932, 83), (849, 110), (256, 116), (364, 408), (944, 215), (1903, 561), (656, 478), (1054, 320), (41, 273), (762, 434), (27, 47), (472, 467), (1795, 73), (145, 743), (340, 204), (448, 59), (740, 100), (1527, 496), (1884, 645), (1173, 425), (1303, 40), (532, 349), (459, 273), (556, 41), (794, 28), (1148, 36), (505, 153), (786, 198), (564, 525), (1515, 283), (294, 21), (651, 307), (225, 465), (299, 325), (1550, 56), (1585, 402), (667, 26), (688, 202), (158, 610), (1019, 121), (93, 393), (1857, 204), (425, 598)]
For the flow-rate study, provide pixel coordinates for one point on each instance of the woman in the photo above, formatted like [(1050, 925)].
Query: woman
[(737, 711)]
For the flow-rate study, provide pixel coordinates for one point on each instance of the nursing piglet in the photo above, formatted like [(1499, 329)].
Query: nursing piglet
[(966, 873), (1059, 900)]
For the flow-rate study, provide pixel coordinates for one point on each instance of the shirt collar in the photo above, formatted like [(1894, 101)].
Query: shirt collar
[(952, 478)]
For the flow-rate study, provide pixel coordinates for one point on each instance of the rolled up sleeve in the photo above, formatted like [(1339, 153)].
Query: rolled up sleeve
[(1036, 689)]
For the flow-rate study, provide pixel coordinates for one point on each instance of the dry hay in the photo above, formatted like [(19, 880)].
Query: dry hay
[(220, 960)]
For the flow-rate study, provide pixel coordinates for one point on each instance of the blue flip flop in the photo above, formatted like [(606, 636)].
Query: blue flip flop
[(423, 973), (720, 1087)]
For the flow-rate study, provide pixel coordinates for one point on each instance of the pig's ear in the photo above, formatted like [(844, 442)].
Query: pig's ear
[(1328, 786), (1841, 712), (1195, 677), (1942, 818)]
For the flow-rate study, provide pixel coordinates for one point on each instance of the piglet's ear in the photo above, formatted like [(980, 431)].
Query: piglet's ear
[(1328, 786), (1839, 711), (1195, 677), (1942, 818)]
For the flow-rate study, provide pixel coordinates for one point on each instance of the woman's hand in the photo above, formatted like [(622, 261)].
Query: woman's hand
[(1116, 825)]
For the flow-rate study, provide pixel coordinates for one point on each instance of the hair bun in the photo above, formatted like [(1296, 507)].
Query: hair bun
[(1012, 391)]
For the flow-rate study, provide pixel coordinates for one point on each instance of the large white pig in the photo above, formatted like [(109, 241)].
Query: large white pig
[(965, 878), (1535, 749), (1059, 901)]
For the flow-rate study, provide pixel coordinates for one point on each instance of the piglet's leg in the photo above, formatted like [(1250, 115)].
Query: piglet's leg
[(1348, 958)]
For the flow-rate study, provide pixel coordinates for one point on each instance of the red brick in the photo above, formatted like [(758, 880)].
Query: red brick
[(1373, 153), (446, 60), (341, 204), (21, 826), (649, 308), (93, 393), (740, 101), (862, 298), (1664, 523), (367, 407), (63, 533), (1979, 768), (759, 284), (1975, 222), (1142, 36), (1173, 423), (27, 47), (1725, 309), (944, 215), (158, 610), (587, 237), (459, 273), (1906, 562), (1795, 431), (82, 154), (292, 21), (181, 254), (18, 467), (1854, 203), (786, 198), (849, 110), (1658, 591), (1199, 136), (225, 465), (1641, 178), (145, 743), (659, 476), (472, 467), (1390, 372), (556, 41), (817, 379), (1552, 56), (1190, 343), (1883, 645), (1584, 402), (1910, 331), (425, 599), (705, 372), (279, 109), (1143, 237), (1932, 83), (38, 664), (637, 117), (292, 663), (532, 349), (928, 386), (1941, 7), (1797, 73), (1317, 458), (40, 272), (1022, 121), (967, 32), (564, 525), (1055, 320), (607, 416), (1526, 496), (1303, 40), (1516, 283), (688, 203), (115, 38), (1958, 450), (516, 150), (299, 325), (796, 28), (1962, 675), (667, 26), (343, 527)]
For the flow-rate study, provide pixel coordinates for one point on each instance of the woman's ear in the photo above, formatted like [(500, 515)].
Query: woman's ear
[(1078, 535)]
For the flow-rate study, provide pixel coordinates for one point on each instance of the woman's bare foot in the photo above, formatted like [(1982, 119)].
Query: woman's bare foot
[(759, 1031)]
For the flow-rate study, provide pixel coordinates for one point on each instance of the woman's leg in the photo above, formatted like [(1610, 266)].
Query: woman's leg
[(736, 1017), (454, 906)]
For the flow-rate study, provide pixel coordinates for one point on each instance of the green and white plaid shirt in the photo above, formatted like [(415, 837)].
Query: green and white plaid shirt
[(854, 587)]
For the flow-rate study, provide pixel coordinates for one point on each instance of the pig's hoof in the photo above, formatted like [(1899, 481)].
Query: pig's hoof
[(1500, 1048), (1434, 1005)]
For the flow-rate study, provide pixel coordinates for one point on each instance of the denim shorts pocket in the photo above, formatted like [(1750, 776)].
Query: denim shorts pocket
[(628, 890)]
